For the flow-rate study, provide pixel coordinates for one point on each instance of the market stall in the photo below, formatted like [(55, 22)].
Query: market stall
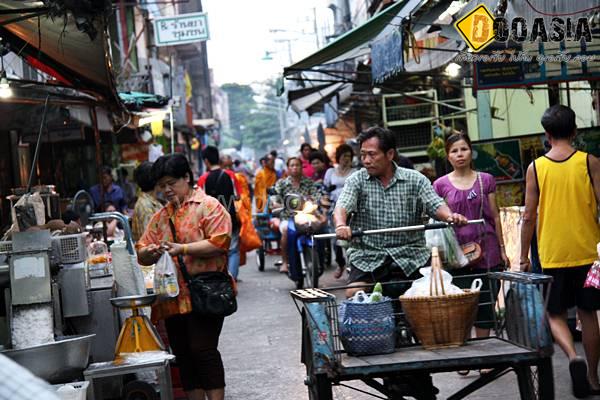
[(71, 304)]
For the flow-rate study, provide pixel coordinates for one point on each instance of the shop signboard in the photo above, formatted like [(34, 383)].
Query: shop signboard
[(181, 29), (501, 159), (536, 64), (57, 134)]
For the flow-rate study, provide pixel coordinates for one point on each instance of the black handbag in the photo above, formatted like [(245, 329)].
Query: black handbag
[(212, 292)]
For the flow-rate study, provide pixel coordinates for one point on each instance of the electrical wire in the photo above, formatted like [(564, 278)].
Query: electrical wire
[(560, 14)]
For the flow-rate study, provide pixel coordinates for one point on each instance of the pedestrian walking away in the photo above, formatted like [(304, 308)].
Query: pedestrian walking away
[(561, 199), (222, 184)]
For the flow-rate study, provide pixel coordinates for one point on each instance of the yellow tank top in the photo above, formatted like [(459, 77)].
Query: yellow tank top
[(567, 227)]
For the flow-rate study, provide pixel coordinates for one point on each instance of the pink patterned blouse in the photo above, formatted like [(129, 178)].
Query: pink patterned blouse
[(200, 217)]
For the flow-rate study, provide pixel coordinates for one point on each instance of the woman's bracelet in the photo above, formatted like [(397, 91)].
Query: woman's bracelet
[(185, 249)]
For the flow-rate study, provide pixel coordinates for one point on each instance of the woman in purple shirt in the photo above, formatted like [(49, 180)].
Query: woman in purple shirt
[(466, 191)]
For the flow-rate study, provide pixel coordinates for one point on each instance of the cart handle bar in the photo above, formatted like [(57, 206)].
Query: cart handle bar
[(414, 228)]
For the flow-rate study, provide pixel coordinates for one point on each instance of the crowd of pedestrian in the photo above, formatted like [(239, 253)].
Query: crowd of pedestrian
[(212, 218)]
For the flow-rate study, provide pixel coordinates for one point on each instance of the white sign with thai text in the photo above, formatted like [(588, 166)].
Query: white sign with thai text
[(181, 29)]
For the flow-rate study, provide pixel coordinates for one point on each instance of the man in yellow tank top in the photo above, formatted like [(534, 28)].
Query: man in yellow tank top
[(562, 195)]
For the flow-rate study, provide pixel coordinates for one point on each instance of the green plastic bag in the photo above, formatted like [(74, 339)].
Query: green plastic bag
[(445, 240)]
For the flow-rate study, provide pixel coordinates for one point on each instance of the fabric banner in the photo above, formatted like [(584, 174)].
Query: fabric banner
[(387, 56)]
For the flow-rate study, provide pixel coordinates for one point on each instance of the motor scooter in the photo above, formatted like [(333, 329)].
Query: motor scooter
[(304, 264)]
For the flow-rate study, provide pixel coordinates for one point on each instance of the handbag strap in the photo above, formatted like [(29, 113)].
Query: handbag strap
[(481, 227), (480, 192), (184, 271)]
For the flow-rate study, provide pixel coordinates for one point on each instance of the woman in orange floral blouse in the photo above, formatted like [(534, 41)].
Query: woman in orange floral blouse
[(203, 229)]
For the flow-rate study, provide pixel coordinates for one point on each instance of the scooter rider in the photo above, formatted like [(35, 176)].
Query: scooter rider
[(294, 183), (384, 195)]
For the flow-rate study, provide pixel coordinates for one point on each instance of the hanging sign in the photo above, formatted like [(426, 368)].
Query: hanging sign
[(181, 29), (534, 64)]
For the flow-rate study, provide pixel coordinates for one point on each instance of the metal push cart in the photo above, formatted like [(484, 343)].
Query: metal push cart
[(269, 237), (520, 343)]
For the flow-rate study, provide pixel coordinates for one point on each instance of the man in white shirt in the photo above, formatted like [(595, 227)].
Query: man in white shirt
[(279, 164)]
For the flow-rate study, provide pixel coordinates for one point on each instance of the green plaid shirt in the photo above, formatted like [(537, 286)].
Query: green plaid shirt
[(402, 203), (306, 188)]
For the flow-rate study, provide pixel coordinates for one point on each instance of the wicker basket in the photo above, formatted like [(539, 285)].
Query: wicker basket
[(441, 321)]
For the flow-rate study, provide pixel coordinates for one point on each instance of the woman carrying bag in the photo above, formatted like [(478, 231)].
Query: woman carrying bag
[(473, 194), (195, 229)]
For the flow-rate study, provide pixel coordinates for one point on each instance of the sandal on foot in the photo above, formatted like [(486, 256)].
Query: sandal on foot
[(578, 371), (463, 373)]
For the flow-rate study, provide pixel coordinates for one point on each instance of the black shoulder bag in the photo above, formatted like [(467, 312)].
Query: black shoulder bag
[(211, 292)]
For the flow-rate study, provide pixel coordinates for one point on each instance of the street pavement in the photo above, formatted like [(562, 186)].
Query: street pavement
[(260, 346)]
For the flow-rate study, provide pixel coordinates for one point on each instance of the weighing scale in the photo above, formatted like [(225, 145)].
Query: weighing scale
[(137, 334)]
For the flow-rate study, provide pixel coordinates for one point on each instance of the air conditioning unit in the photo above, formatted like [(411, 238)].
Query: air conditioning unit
[(411, 116)]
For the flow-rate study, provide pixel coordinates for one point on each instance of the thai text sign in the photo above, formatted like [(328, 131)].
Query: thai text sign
[(181, 29)]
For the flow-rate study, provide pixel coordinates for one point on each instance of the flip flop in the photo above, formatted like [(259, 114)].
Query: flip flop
[(578, 371), (463, 373)]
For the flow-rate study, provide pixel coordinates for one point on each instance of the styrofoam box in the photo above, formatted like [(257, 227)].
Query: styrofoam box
[(79, 393)]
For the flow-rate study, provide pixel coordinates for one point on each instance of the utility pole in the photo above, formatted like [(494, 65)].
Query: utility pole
[(289, 48), (315, 27)]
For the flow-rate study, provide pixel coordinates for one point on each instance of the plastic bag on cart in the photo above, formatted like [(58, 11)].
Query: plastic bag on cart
[(165, 277), (445, 240), (422, 287), (526, 321)]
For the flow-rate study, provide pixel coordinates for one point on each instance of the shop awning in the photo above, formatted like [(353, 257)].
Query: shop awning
[(308, 98), (76, 55), (356, 42), (205, 123)]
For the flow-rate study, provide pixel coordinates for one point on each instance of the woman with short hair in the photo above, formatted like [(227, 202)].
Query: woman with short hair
[(337, 177), (203, 234)]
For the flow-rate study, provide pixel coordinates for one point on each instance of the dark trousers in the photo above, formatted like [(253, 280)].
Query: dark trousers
[(340, 260), (194, 340)]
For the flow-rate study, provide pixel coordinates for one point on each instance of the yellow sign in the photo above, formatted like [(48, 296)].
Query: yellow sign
[(477, 28)]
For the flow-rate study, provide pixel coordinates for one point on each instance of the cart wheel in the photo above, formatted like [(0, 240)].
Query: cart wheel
[(319, 385), (139, 390), (536, 382), (260, 258)]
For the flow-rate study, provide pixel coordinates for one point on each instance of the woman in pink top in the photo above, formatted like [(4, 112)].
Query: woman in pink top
[(307, 168), (473, 194)]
